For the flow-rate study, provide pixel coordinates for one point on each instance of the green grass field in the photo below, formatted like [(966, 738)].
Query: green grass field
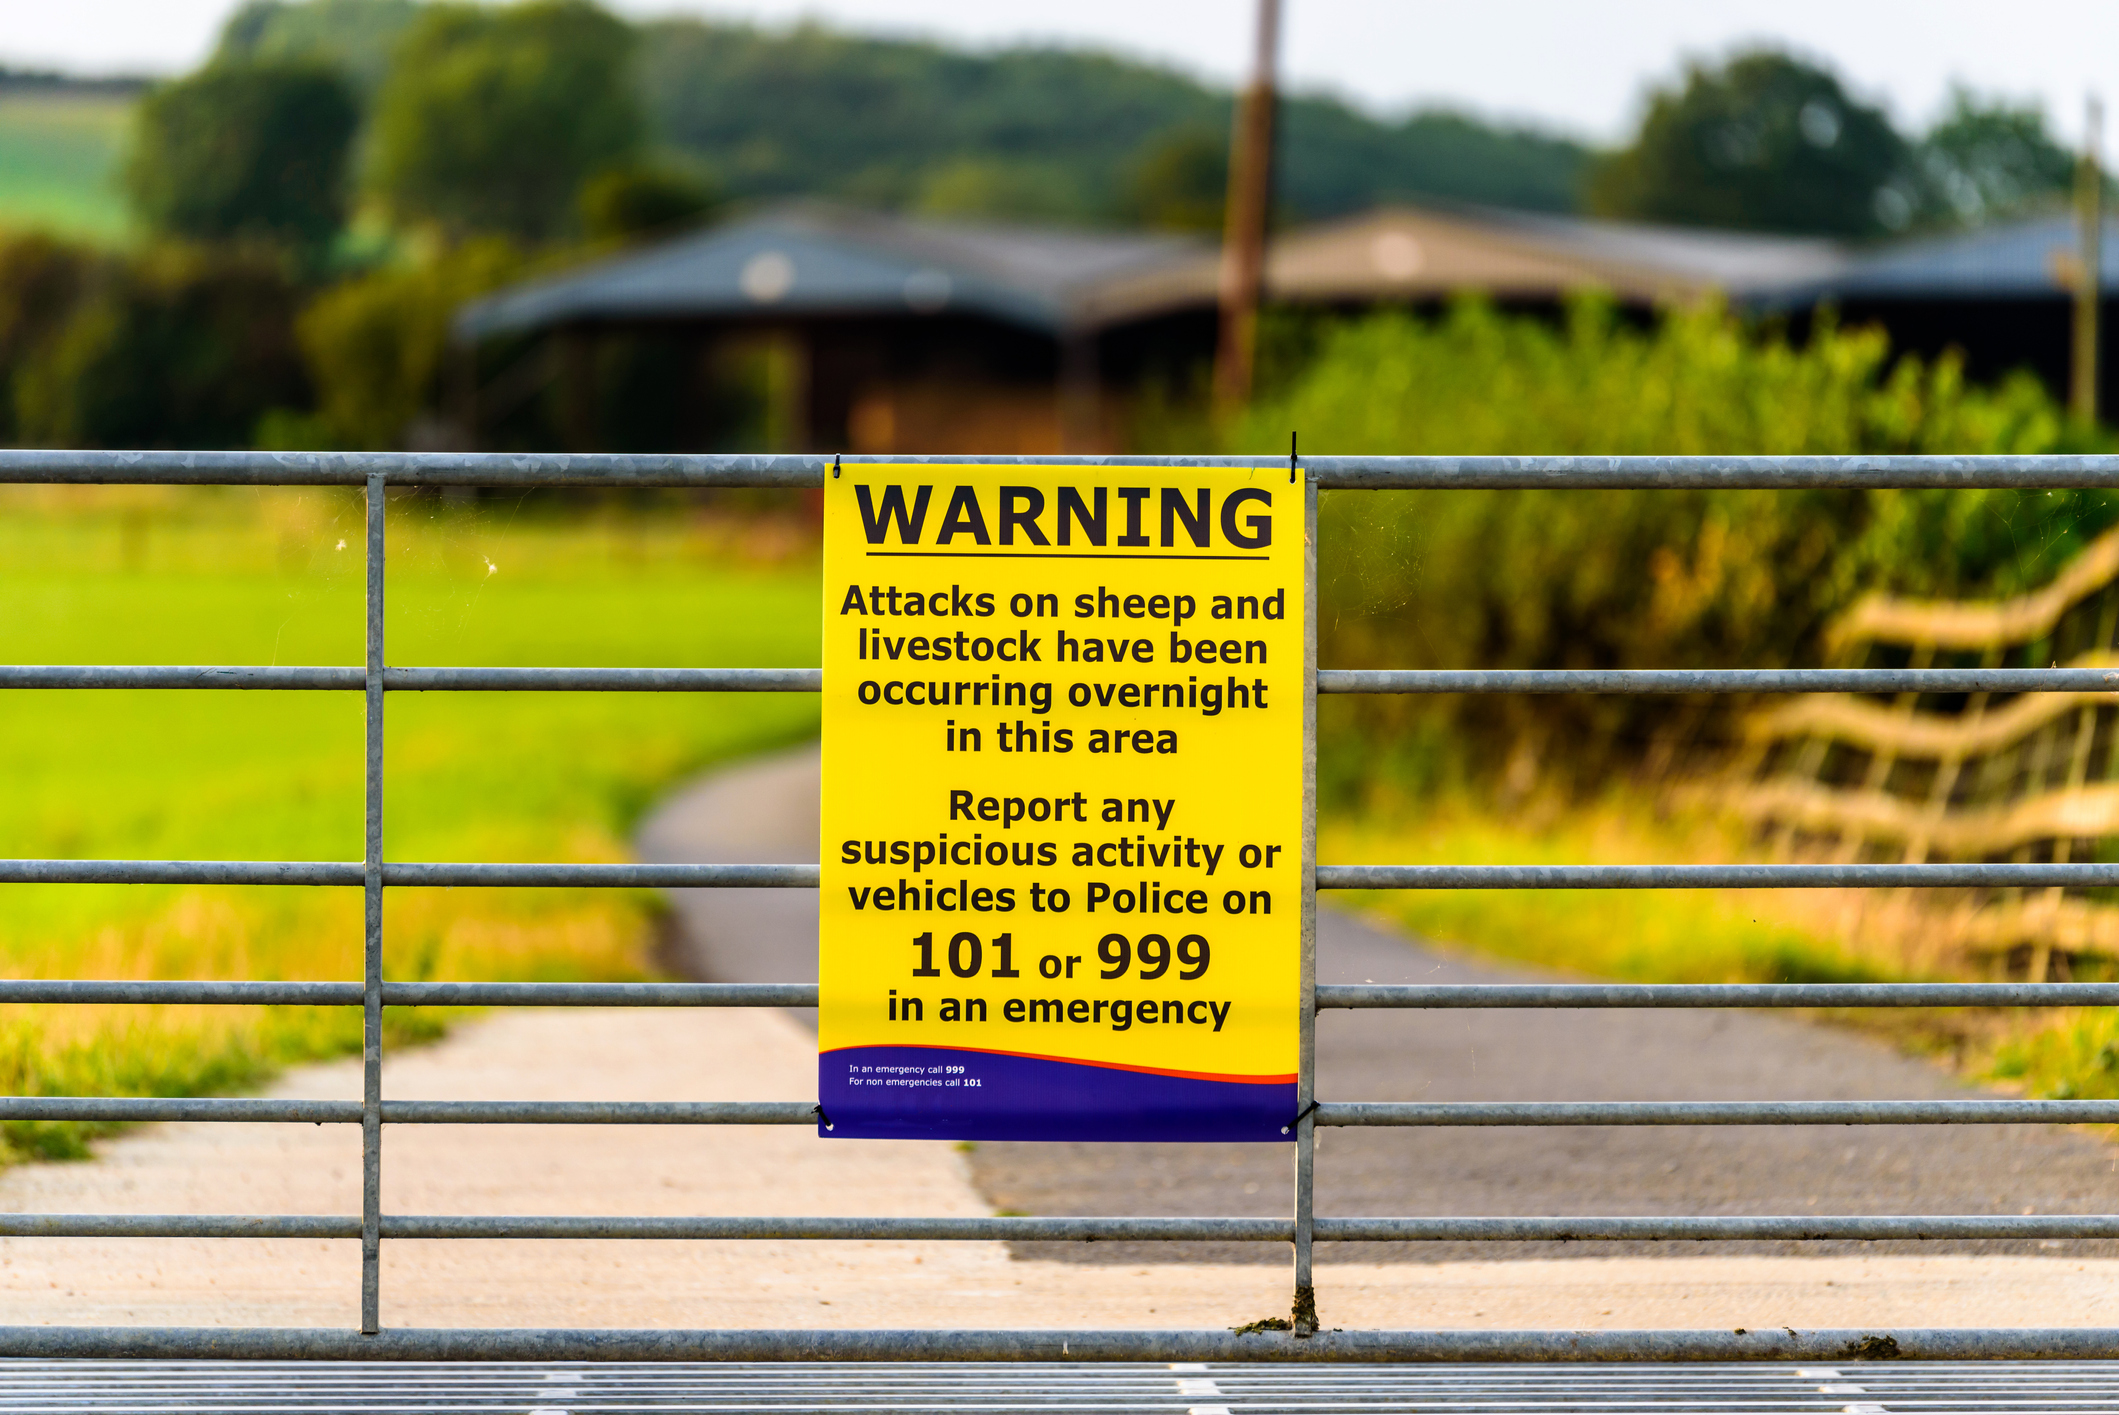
[(237, 577), (59, 158)]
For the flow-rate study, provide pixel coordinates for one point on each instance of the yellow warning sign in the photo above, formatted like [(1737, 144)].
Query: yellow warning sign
[(1063, 796)]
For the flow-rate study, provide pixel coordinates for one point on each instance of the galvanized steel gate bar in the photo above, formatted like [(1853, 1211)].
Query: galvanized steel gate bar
[(1073, 1388), (375, 473)]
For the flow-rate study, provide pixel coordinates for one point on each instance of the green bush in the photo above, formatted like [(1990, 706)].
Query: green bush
[(42, 280), (376, 346), (1569, 579), (246, 152), (175, 348)]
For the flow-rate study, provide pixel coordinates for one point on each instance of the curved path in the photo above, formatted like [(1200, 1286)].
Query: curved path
[(759, 812), (767, 810)]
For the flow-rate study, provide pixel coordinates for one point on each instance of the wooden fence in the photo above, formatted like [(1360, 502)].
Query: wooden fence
[(1961, 777)]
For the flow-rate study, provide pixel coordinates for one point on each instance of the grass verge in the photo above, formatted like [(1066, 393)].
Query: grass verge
[(1700, 936), (1664, 936)]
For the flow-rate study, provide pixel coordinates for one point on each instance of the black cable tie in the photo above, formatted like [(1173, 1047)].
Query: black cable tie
[(825, 1120), (834, 477), (1306, 1112), (1291, 457)]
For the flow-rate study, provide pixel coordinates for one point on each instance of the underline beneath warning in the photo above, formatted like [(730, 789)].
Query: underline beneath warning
[(1035, 555)]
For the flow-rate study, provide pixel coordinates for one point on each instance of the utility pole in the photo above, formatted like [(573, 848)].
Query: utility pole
[(1243, 246), (2089, 211)]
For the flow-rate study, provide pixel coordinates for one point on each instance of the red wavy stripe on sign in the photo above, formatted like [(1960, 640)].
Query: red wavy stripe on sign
[(1287, 1080)]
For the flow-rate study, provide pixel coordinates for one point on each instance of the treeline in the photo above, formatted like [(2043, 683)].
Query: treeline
[(1761, 140), (342, 174), (1049, 134), (1028, 133)]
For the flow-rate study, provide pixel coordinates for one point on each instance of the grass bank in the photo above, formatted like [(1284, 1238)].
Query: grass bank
[(245, 577), (1628, 935), (1698, 936)]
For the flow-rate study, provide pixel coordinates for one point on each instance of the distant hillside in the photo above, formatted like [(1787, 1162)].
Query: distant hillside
[(1035, 133), (813, 110), (51, 82)]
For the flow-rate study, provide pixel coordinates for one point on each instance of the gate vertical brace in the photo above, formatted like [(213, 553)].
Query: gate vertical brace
[(372, 943), (1303, 1318)]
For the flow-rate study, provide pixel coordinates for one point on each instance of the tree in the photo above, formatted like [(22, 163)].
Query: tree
[(1984, 160), (246, 152), (1181, 181), (492, 119), (1765, 143), (353, 36)]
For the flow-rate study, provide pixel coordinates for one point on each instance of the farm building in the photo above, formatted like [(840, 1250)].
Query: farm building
[(2002, 295), (877, 333)]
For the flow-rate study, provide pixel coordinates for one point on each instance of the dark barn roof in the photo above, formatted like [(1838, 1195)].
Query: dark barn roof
[(812, 261), (2031, 259), (2000, 298), (1668, 258), (816, 261)]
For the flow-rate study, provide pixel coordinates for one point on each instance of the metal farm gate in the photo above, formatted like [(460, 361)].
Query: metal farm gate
[(1302, 1229)]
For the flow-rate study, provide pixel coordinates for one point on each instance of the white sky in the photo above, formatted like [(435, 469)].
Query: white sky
[(1573, 64)]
